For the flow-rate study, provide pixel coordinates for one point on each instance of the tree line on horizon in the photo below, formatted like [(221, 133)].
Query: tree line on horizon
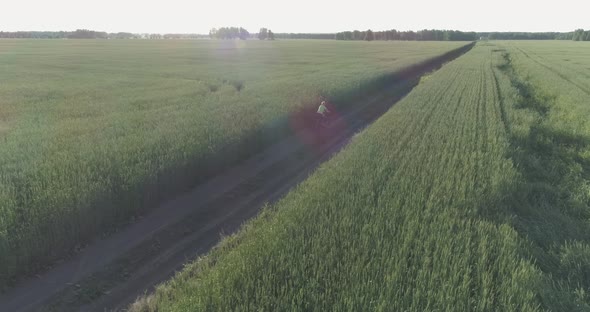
[(455, 35), (421, 35), (266, 34), (91, 34)]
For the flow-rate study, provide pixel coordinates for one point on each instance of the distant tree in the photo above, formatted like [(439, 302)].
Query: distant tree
[(244, 34), (369, 36), (578, 33), (122, 35), (326, 36), (425, 35), (407, 35), (356, 35), (390, 34), (439, 35), (224, 33), (345, 35), (271, 35), (263, 34), (565, 36), (87, 34), (394, 34)]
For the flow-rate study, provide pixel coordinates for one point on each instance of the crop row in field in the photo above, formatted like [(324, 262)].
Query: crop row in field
[(400, 220), (94, 132)]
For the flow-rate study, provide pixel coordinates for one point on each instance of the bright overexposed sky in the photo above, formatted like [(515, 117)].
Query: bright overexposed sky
[(198, 16)]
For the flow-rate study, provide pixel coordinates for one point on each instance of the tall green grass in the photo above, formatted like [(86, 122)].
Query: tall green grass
[(95, 132), (419, 213), (550, 140)]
